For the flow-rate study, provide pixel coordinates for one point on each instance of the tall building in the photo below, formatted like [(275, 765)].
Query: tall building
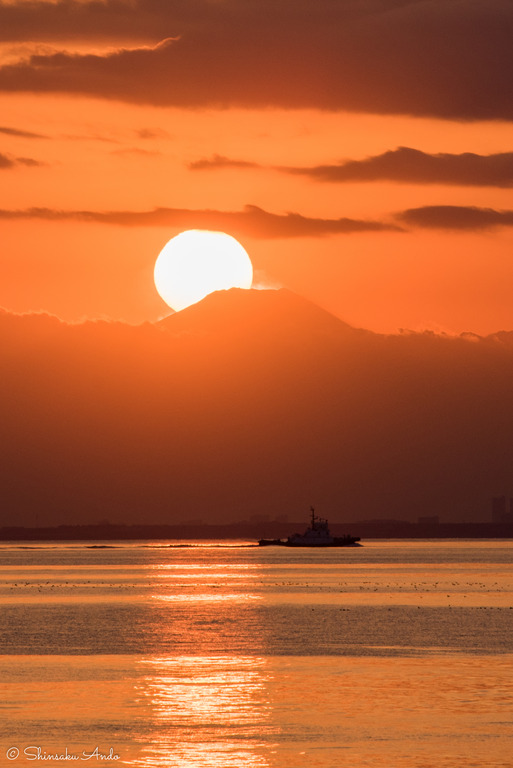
[(502, 514)]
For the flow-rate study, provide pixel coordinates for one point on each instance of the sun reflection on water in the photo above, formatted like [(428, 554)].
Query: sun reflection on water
[(207, 712), (207, 598), (204, 582)]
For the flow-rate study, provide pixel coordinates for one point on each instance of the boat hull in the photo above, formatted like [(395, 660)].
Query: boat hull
[(353, 542)]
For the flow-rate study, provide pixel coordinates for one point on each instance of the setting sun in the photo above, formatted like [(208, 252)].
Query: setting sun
[(198, 262)]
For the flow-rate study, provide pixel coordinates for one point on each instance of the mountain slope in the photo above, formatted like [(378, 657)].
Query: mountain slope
[(250, 402)]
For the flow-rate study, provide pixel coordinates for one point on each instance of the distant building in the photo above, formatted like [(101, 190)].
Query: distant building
[(502, 513)]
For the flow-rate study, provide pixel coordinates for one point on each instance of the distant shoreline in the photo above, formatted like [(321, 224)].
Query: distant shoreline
[(375, 529)]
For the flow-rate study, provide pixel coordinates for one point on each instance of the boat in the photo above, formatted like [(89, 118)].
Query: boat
[(316, 535)]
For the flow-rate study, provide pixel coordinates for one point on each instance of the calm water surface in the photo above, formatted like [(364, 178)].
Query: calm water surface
[(213, 655)]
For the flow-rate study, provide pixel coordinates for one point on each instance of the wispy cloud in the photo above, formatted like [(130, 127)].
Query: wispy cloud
[(403, 165), (7, 162), (415, 167), (251, 221), (151, 133), (450, 60), (220, 162), (456, 217), (20, 133)]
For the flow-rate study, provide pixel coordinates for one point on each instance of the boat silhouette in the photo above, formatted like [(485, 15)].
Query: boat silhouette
[(316, 535)]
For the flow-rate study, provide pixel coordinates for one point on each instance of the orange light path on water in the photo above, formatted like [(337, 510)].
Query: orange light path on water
[(207, 712)]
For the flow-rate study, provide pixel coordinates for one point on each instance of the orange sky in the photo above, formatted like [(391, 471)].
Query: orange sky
[(252, 111)]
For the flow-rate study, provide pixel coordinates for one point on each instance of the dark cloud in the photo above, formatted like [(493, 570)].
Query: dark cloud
[(40, 20), (28, 161), (437, 58), (6, 162), (415, 167), (251, 221), (20, 134), (11, 162), (219, 162), (404, 164), (457, 217)]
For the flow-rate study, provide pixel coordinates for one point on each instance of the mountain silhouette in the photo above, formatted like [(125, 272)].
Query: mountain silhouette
[(240, 312), (249, 403)]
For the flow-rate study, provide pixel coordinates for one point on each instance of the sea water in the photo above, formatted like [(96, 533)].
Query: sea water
[(396, 654)]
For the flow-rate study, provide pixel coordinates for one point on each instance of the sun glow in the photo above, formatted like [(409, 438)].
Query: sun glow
[(198, 262)]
